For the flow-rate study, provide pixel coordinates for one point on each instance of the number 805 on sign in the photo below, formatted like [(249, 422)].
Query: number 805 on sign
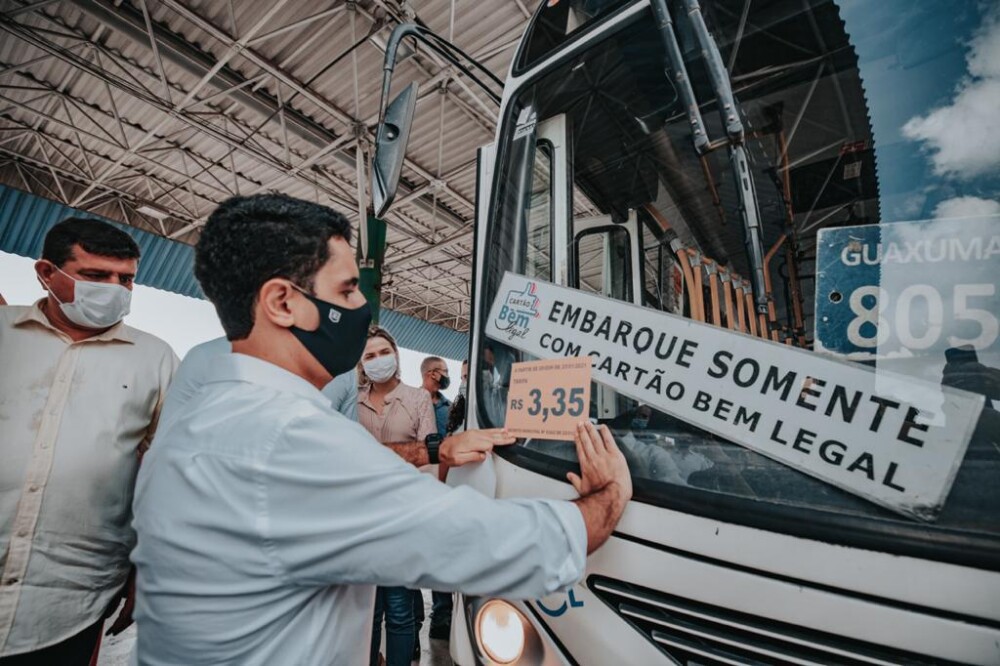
[(921, 317)]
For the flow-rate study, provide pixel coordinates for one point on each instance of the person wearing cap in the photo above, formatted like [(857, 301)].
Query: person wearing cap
[(80, 394)]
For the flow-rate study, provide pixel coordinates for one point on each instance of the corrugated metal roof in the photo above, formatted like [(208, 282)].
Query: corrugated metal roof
[(168, 265), (85, 88)]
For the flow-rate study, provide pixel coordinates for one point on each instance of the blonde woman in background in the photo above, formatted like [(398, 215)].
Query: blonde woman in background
[(393, 413)]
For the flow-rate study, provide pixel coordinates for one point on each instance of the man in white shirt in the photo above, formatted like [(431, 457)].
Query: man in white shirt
[(80, 393), (342, 391), (265, 519)]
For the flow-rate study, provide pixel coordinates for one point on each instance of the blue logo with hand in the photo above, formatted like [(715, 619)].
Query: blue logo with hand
[(516, 314)]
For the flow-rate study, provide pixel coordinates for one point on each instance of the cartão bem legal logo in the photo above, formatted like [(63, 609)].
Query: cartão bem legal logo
[(520, 307)]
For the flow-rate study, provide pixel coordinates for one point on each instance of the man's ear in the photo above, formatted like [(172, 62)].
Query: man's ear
[(44, 269), (274, 303)]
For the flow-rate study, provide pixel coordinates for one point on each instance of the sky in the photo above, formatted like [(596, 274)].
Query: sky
[(181, 321), (931, 76)]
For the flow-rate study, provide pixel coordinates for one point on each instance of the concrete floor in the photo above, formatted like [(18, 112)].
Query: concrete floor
[(116, 650)]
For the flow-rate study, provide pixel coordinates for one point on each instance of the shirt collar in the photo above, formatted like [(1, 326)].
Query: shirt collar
[(236, 367), (35, 314), (364, 394), (442, 400)]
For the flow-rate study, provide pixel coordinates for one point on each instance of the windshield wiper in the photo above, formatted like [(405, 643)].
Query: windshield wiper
[(738, 159)]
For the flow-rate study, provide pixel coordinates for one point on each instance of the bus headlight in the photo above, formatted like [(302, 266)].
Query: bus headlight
[(500, 631)]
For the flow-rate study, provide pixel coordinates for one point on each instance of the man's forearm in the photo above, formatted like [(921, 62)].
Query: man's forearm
[(601, 511), (414, 453)]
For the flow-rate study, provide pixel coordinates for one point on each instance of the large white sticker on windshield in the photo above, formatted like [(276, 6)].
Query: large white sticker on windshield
[(893, 440)]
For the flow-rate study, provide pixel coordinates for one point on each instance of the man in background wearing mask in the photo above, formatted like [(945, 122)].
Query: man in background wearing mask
[(456, 415), (434, 371), (81, 393), (265, 519)]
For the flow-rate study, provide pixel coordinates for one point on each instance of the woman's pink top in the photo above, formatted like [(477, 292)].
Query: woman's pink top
[(408, 415)]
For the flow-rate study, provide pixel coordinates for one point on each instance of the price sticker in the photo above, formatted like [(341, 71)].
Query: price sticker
[(548, 398)]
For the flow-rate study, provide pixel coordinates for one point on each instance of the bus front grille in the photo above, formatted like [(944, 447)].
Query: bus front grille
[(694, 633)]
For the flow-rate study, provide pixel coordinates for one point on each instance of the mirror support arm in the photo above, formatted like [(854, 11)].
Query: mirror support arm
[(439, 45)]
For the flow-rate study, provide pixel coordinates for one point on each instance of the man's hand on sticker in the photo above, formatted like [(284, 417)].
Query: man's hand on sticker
[(472, 446)]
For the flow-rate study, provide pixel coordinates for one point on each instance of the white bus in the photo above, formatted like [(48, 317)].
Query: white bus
[(793, 185)]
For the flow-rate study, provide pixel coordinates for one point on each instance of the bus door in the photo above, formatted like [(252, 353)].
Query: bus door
[(606, 261)]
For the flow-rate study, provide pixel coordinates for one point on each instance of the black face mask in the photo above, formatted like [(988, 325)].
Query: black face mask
[(340, 340), (444, 381)]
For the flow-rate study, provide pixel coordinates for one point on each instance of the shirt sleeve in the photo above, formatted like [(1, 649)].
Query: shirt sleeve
[(427, 425), (352, 512), (349, 406), (168, 368), (343, 394)]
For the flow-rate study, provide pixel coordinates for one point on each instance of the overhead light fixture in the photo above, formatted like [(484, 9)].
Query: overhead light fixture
[(153, 211)]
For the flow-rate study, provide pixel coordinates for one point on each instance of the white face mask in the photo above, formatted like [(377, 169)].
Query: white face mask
[(381, 369), (95, 304), (463, 389)]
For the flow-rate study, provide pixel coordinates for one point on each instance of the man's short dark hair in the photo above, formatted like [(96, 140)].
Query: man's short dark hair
[(250, 240), (94, 236)]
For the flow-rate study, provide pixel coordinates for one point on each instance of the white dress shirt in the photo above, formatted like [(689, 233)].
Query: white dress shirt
[(342, 391), (72, 416), (265, 519)]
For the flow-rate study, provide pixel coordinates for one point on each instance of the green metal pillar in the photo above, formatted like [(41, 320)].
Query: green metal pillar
[(371, 270)]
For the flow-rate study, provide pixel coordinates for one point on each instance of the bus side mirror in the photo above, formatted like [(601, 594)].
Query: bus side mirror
[(390, 148)]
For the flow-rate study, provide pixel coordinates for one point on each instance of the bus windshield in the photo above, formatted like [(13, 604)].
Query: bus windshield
[(877, 207), (556, 22)]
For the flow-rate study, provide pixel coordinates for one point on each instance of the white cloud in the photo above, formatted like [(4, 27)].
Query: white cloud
[(966, 207), (962, 136), (984, 50), (909, 207)]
